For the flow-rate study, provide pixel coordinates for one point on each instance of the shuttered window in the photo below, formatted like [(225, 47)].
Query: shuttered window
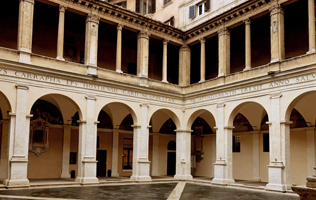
[(207, 5), (145, 6), (138, 6), (192, 12)]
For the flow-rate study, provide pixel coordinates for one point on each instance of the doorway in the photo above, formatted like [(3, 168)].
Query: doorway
[(101, 165)]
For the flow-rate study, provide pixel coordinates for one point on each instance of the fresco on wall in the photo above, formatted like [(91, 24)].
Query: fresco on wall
[(241, 124), (46, 111), (105, 120), (168, 127), (127, 123)]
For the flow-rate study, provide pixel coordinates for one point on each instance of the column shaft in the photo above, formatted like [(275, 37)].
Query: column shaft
[(61, 33), (223, 169), (248, 44), (91, 43), (141, 164), (183, 155), (311, 25), (184, 65), (66, 152), (142, 54), (256, 156), (155, 155), (164, 61), (4, 162), (213, 153), (87, 146), (202, 60), (25, 30), (18, 141), (115, 154), (223, 52), (277, 33), (119, 49)]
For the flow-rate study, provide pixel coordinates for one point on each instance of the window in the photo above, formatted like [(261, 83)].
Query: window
[(166, 2), (121, 4), (236, 143), (200, 8), (266, 146), (127, 153), (170, 21), (145, 6)]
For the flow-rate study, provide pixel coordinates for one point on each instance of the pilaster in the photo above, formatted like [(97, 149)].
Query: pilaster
[(25, 30), (115, 154), (310, 149), (223, 169), (18, 141), (66, 152), (141, 164), (277, 33), (213, 153), (91, 44), (256, 156), (61, 32), (183, 155), (119, 48), (87, 146), (155, 155), (4, 162), (164, 61), (184, 65), (202, 78), (248, 44), (142, 54), (223, 52)]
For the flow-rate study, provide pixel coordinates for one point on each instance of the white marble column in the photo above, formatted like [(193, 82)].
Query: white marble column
[(256, 156), (311, 25), (279, 135), (248, 44), (141, 164), (202, 72), (119, 49), (164, 61), (4, 162), (91, 43), (184, 65), (87, 163), (223, 52), (310, 149), (25, 30), (18, 141), (115, 154), (183, 155), (277, 33), (155, 155), (142, 54), (61, 32), (66, 152), (223, 167), (213, 153)]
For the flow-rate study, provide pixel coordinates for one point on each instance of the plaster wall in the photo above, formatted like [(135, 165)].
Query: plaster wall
[(204, 168), (264, 161), (163, 146), (106, 143), (74, 139)]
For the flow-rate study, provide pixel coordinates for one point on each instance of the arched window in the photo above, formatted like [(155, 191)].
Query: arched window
[(172, 145)]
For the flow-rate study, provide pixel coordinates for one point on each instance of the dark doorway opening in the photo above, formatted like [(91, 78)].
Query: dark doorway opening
[(101, 165), (171, 163)]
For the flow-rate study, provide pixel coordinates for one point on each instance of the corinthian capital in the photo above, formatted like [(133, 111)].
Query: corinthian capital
[(223, 31), (93, 18), (143, 34), (275, 9)]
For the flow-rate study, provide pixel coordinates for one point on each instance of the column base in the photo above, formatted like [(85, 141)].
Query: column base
[(92, 70), (155, 174), (16, 183), (119, 71), (115, 174), (256, 179), (183, 177), (60, 58), (201, 81), (87, 180), (219, 181), (164, 81), (221, 74), (275, 60), (140, 178), (278, 187), (247, 68), (143, 81), (276, 177), (65, 175), (311, 51), (25, 56)]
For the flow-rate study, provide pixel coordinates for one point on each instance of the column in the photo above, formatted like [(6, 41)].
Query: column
[(142, 54), (91, 44), (223, 52), (66, 152), (61, 32), (183, 155), (87, 163), (4, 149), (155, 156), (18, 141), (25, 30), (202, 40), (248, 44), (164, 61), (256, 156), (141, 164), (223, 168), (310, 145), (115, 154), (311, 25), (184, 65), (213, 153), (119, 49), (277, 33), (279, 135)]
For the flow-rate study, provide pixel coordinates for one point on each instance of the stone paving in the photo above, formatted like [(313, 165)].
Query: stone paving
[(191, 191)]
